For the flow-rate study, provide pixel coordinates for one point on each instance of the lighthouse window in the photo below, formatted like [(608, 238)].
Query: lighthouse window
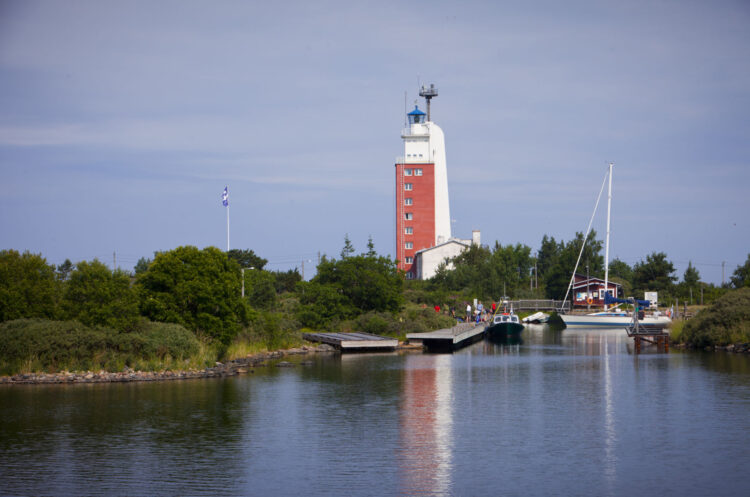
[(407, 187), (409, 230), (409, 245), (418, 172), (407, 172), (409, 260), (408, 201), (408, 216)]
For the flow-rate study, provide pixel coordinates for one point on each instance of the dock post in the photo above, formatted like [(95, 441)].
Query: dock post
[(637, 341)]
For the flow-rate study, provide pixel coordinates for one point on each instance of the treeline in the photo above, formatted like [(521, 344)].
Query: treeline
[(512, 270), (222, 303)]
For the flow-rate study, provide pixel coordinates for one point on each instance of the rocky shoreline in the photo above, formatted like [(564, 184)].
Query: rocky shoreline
[(736, 348), (234, 367)]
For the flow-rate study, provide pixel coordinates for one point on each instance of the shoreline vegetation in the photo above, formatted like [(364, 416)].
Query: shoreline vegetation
[(190, 311)]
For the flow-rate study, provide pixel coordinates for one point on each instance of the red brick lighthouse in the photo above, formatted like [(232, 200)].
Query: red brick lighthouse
[(422, 209)]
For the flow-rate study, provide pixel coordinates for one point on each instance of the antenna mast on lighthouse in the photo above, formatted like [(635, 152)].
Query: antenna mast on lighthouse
[(428, 94)]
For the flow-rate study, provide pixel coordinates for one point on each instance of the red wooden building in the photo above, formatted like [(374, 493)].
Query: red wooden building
[(591, 291)]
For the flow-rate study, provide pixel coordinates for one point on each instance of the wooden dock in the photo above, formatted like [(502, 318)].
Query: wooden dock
[(453, 338), (654, 334), (352, 341)]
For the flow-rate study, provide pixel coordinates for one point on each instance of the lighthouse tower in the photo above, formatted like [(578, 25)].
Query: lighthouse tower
[(422, 210)]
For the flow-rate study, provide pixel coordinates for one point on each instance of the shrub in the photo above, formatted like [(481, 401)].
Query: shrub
[(725, 322), (54, 345)]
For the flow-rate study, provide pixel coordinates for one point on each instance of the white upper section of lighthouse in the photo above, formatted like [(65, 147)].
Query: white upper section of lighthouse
[(424, 142)]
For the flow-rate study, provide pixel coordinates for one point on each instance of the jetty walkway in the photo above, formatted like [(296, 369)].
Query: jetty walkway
[(453, 338)]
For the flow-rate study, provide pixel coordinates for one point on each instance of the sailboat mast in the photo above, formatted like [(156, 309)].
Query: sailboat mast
[(606, 246)]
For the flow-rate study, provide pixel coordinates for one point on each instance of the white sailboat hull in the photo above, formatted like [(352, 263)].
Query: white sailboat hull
[(589, 321)]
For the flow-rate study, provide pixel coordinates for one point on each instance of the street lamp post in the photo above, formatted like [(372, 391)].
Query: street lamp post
[(243, 280)]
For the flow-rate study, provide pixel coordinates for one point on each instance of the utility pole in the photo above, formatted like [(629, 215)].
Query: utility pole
[(303, 269), (114, 261), (722, 272), (243, 282)]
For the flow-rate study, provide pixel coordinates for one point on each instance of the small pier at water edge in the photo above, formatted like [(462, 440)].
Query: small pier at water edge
[(458, 336)]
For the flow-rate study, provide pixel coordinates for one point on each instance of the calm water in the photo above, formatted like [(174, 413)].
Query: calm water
[(562, 413)]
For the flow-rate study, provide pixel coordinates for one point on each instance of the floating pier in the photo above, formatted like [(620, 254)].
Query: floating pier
[(653, 334), (453, 338), (352, 341)]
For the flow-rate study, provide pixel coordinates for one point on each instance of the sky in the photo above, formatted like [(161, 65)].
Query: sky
[(122, 122)]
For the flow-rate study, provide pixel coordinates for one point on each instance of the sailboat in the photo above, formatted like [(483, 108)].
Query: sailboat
[(608, 318)]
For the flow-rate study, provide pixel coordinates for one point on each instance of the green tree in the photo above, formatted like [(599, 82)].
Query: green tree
[(141, 266), (348, 287), (655, 274), (348, 247), (247, 259), (28, 286), (96, 296), (549, 251), (371, 283), (691, 277), (199, 289), (486, 274), (558, 277), (286, 281), (370, 248), (620, 269), (64, 270), (741, 276), (321, 305), (260, 289)]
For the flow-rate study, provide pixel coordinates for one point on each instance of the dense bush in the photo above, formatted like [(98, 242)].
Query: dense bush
[(727, 321), (37, 344)]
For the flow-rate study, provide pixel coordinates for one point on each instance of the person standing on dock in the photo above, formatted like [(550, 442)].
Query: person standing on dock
[(468, 313)]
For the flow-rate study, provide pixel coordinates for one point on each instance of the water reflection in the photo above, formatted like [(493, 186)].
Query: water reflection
[(426, 425)]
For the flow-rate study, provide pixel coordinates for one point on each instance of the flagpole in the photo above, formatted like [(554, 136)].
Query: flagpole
[(225, 202)]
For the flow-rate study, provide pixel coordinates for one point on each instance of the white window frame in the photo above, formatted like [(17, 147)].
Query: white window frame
[(418, 171), (409, 260), (408, 201), (408, 186), (408, 170), (409, 245), (409, 230), (408, 216)]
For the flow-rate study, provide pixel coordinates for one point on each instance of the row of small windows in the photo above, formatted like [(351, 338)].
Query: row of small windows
[(417, 172), (414, 155)]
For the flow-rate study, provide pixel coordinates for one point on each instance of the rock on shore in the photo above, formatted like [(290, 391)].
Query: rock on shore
[(234, 367)]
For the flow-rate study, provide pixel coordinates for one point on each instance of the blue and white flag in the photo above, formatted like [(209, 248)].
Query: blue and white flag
[(225, 197)]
